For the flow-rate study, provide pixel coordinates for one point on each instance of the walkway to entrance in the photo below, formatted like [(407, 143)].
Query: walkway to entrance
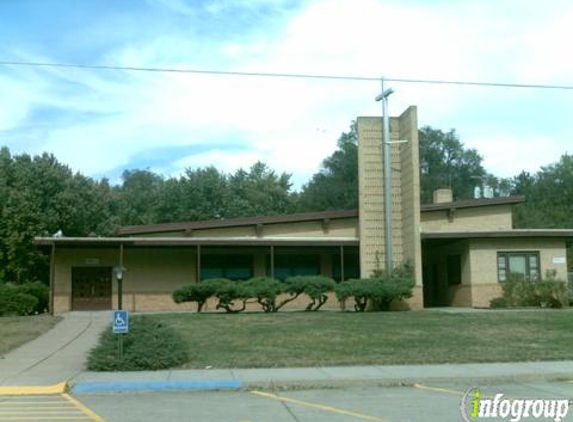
[(58, 355)]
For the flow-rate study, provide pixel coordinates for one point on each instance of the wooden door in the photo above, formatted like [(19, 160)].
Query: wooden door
[(91, 288)]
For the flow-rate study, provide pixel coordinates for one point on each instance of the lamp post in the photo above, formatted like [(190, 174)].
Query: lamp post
[(119, 270), (387, 159)]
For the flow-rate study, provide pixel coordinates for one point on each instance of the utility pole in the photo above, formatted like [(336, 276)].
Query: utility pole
[(387, 163)]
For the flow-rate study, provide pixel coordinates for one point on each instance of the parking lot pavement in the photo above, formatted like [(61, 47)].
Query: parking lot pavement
[(53, 407), (408, 403)]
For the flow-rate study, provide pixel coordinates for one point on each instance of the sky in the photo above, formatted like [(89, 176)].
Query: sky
[(101, 122)]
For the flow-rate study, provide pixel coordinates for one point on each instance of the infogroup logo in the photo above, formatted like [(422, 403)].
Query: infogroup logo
[(476, 406)]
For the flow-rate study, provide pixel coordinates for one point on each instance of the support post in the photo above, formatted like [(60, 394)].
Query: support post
[(342, 263), (52, 277), (272, 261), (120, 281), (198, 263)]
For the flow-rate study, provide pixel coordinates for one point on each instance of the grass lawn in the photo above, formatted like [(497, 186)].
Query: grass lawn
[(15, 331), (335, 338)]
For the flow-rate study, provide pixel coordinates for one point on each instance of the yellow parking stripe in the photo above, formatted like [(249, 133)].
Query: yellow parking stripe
[(43, 404), (46, 418), (438, 389), (85, 410), (321, 407), (40, 391)]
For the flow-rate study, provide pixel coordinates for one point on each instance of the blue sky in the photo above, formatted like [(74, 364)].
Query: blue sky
[(102, 122)]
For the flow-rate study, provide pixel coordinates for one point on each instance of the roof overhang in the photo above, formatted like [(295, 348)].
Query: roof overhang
[(472, 203), (194, 241), (236, 222), (500, 234)]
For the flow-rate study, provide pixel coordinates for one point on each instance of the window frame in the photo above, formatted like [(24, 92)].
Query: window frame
[(506, 255), (226, 263)]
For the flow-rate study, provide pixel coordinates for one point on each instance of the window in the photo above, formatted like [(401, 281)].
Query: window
[(233, 267), (297, 264), (351, 266), (519, 265)]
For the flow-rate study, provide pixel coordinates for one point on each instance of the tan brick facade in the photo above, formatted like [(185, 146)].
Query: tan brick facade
[(154, 272), (405, 195)]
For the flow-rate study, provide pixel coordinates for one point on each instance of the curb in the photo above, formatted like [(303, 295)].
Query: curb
[(336, 383), (209, 385), (44, 390), (302, 384)]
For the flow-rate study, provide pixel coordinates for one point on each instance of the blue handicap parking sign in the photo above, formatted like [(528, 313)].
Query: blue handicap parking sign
[(120, 322)]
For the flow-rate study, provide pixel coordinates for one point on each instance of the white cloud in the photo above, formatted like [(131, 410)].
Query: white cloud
[(507, 155), (276, 120)]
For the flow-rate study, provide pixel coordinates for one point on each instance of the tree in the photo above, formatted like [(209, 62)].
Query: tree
[(260, 191), (335, 186), (444, 162), (138, 198), (549, 196), (40, 196)]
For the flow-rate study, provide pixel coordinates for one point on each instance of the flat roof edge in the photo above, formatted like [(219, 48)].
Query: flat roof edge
[(516, 233), (193, 241)]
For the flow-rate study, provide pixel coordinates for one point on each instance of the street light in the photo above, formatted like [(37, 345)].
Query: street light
[(119, 270), (387, 158)]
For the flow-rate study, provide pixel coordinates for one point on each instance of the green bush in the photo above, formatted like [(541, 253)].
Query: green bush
[(40, 291), (196, 292), (548, 292), (229, 292), (314, 286), (149, 345), (265, 291), (233, 296), (15, 301), (380, 291), (498, 302), (359, 289)]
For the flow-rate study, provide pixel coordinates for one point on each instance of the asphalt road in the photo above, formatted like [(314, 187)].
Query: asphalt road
[(414, 403)]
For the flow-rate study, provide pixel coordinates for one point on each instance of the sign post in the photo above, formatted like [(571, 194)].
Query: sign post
[(120, 317), (120, 327)]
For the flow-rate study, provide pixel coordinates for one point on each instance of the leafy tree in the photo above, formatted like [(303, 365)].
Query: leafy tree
[(200, 194), (138, 198), (260, 191), (549, 196), (335, 186), (444, 162), (41, 196)]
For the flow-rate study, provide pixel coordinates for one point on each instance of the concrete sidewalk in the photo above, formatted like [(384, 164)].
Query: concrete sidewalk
[(320, 377), (57, 355)]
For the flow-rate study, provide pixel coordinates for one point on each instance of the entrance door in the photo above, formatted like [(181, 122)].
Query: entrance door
[(91, 288)]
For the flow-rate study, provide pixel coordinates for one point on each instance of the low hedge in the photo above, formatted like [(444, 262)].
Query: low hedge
[(233, 296), (548, 292), (23, 299), (380, 292), (149, 345)]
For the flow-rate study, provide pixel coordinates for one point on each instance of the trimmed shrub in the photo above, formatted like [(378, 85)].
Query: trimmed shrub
[(196, 292), (40, 291), (549, 292), (233, 296), (228, 293), (149, 345), (497, 303), (314, 286), (14, 301), (359, 289), (381, 291), (265, 291)]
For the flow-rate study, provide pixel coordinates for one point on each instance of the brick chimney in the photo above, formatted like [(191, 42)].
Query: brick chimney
[(442, 196)]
